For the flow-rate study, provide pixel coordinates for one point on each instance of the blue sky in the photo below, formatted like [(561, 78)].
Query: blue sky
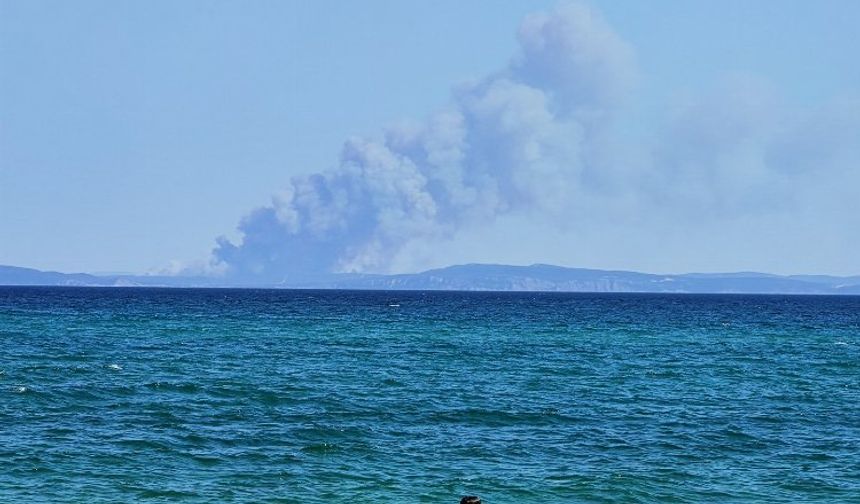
[(133, 134)]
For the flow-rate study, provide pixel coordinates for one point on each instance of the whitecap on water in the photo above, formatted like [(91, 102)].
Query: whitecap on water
[(115, 367), (21, 390)]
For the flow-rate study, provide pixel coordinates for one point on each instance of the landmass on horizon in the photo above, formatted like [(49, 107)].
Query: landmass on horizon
[(477, 277)]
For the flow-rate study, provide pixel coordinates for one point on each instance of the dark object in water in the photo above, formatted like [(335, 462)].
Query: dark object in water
[(470, 499)]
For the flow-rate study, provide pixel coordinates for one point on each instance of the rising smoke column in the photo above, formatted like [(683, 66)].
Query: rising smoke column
[(518, 140)]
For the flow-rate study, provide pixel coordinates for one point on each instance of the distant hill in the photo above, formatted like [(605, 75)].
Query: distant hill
[(543, 277), (12, 275), (481, 277)]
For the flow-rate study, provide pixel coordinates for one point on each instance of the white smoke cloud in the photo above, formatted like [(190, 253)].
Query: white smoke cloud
[(738, 151), (515, 141), (533, 140), (711, 159), (576, 58)]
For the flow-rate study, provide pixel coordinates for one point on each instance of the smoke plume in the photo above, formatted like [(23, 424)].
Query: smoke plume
[(538, 139), (516, 140)]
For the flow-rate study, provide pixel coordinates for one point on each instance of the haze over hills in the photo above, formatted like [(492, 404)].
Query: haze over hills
[(480, 277), (13, 275)]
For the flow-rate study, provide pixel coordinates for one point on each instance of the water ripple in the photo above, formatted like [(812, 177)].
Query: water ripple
[(111, 395)]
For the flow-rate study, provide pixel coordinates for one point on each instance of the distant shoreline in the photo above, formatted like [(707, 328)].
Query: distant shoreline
[(474, 278)]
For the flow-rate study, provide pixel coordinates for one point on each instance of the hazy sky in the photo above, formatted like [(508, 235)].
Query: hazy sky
[(662, 136)]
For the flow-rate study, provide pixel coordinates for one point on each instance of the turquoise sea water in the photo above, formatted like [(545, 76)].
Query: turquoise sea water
[(126, 395)]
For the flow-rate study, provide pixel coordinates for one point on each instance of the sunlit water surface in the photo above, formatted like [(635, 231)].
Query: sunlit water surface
[(121, 395)]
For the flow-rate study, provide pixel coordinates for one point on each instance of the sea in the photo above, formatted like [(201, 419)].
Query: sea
[(302, 396)]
